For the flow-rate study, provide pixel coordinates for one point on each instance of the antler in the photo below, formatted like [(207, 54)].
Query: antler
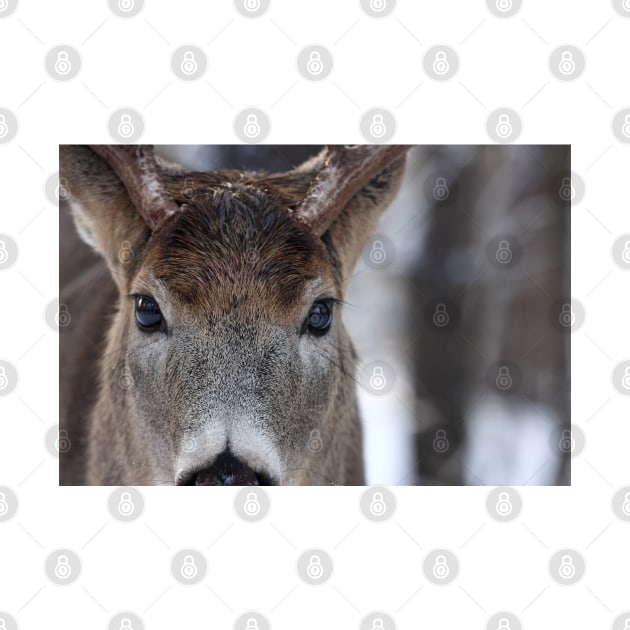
[(136, 167), (345, 171)]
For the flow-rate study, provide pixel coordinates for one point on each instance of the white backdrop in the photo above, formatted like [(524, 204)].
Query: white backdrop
[(495, 60)]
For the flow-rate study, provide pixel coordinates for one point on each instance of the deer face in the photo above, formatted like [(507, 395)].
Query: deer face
[(232, 336), (227, 360)]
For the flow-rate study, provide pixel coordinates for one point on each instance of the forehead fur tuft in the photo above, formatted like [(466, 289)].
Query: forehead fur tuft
[(237, 247)]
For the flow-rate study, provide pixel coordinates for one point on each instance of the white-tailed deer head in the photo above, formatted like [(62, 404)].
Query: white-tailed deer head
[(225, 360)]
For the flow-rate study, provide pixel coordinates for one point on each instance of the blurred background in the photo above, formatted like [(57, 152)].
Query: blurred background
[(460, 311)]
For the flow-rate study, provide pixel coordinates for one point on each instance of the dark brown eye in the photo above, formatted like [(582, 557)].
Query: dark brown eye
[(148, 315), (320, 317)]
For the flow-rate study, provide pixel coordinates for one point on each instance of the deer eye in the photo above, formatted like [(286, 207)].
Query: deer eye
[(319, 317), (148, 316)]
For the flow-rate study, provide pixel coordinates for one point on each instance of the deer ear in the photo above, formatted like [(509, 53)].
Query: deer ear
[(356, 223), (104, 215), (319, 184)]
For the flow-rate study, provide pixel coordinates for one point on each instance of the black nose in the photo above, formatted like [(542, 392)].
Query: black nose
[(227, 470)]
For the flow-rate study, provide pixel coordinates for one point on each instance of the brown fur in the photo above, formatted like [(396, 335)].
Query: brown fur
[(234, 274)]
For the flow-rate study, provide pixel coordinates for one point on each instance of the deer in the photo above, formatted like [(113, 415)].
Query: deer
[(204, 341)]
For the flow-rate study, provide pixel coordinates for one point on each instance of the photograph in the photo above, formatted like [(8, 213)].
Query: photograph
[(315, 315)]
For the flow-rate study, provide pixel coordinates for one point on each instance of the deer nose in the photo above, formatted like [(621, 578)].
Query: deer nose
[(228, 470)]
